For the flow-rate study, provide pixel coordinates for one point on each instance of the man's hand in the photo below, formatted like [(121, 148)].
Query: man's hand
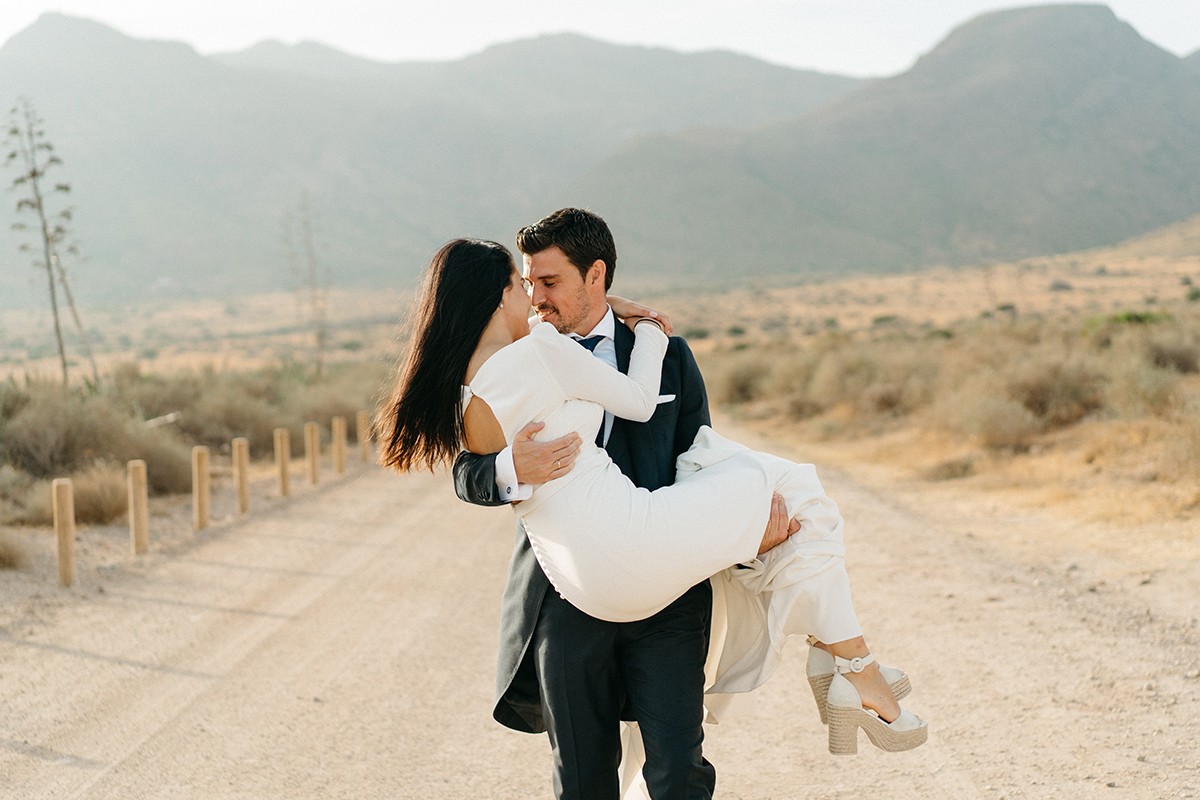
[(779, 527), (540, 462)]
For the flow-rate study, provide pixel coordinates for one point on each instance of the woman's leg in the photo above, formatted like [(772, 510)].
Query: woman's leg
[(870, 683)]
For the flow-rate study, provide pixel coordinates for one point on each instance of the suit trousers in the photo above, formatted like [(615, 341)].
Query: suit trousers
[(589, 670)]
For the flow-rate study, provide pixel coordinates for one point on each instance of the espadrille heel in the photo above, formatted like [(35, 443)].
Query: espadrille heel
[(820, 669), (847, 715)]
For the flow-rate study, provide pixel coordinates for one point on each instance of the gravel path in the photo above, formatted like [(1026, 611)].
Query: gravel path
[(342, 645)]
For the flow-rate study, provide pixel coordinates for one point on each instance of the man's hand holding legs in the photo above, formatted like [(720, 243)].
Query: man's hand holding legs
[(540, 462)]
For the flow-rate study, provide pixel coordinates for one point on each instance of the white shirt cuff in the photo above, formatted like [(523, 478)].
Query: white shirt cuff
[(506, 478)]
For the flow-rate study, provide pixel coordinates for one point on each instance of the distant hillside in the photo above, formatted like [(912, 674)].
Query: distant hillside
[(1178, 240), (1193, 61), (182, 166), (1025, 132)]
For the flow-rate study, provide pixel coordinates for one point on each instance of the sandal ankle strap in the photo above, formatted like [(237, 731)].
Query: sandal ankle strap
[(844, 665)]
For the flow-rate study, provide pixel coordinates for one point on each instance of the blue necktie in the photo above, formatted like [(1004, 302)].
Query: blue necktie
[(590, 344)]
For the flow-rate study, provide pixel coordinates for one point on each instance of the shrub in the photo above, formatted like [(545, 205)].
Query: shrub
[(1181, 460), (1183, 358), (738, 377), (13, 553), (1000, 422), (1136, 387), (952, 469), (12, 400), (842, 376), (1140, 317), (59, 433), (1058, 393), (228, 410), (101, 494)]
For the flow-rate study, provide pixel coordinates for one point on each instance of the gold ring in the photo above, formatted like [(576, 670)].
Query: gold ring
[(556, 463)]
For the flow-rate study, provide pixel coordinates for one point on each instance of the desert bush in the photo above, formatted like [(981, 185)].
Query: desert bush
[(1135, 388), (12, 400), (59, 433), (842, 376), (1183, 358), (228, 410), (101, 494), (30, 505), (738, 377), (1059, 392), (950, 470), (13, 552), (1182, 458), (998, 422)]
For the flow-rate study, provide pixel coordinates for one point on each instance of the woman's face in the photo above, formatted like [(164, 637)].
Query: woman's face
[(516, 306)]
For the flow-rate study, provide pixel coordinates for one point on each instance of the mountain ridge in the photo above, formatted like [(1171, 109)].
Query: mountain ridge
[(1039, 143), (1024, 132)]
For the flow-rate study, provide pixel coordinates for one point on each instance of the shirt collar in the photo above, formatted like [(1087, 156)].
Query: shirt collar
[(606, 327)]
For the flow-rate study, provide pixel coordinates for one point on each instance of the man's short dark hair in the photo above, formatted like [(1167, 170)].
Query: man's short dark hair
[(582, 236)]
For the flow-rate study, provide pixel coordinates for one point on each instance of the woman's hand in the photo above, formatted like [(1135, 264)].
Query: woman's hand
[(630, 312)]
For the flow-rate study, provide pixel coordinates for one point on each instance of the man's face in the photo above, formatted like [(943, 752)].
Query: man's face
[(560, 295)]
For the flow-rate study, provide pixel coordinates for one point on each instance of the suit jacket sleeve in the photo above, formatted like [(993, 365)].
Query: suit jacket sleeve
[(475, 479), (693, 400)]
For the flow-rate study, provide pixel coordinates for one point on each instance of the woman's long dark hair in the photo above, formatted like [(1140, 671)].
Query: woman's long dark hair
[(421, 422)]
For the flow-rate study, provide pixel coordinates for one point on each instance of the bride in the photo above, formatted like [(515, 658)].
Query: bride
[(479, 369)]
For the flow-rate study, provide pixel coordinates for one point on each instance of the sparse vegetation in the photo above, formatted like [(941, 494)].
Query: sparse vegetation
[(89, 433), (1001, 383), (12, 552)]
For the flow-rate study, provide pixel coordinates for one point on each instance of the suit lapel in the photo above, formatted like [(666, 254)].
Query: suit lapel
[(618, 440)]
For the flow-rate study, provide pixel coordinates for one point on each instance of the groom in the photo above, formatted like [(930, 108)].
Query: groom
[(560, 670)]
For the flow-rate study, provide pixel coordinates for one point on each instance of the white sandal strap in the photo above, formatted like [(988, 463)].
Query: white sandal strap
[(844, 665)]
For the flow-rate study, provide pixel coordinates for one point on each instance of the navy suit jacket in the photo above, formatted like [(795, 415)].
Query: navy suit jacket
[(644, 451)]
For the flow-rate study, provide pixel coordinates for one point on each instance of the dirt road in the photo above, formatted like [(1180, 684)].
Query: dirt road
[(342, 645)]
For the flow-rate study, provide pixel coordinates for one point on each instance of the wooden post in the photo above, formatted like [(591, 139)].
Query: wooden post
[(63, 499), (139, 508), (283, 458), (312, 451), (241, 472), (338, 425), (362, 430), (201, 492)]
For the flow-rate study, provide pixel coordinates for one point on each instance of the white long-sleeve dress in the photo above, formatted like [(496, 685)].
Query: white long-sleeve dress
[(622, 553)]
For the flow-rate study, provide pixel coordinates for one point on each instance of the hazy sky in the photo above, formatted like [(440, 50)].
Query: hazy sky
[(855, 37)]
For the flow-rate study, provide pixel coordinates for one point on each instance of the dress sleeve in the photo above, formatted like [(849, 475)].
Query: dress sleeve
[(585, 377)]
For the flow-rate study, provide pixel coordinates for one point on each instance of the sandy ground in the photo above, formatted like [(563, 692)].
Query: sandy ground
[(341, 644)]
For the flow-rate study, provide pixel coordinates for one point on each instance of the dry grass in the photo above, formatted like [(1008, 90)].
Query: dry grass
[(1076, 411), (13, 554), (89, 433), (101, 494)]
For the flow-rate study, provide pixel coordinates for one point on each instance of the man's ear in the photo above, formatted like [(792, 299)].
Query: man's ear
[(597, 272)]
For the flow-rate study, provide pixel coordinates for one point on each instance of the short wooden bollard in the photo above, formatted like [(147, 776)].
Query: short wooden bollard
[(63, 500), (362, 431), (241, 472), (312, 451), (283, 458), (139, 508), (201, 490), (338, 426)]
